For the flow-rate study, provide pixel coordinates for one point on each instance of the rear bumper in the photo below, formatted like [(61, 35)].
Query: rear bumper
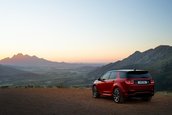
[(138, 90), (138, 93)]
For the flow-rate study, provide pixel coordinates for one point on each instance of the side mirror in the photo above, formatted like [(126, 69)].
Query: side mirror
[(99, 79)]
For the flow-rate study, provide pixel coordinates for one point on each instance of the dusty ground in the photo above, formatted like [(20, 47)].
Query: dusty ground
[(63, 101)]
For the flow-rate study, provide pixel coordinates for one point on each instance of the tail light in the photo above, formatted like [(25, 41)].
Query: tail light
[(129, 81), (152, 81)]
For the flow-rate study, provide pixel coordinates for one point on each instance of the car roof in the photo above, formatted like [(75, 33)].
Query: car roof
[(127, 70)]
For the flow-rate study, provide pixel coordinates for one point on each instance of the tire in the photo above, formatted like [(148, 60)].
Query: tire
[(95, 92), (117, 96), (147, 98)]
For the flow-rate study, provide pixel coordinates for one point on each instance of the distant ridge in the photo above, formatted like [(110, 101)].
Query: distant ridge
[(158, 57), (22, 60), (32, 61)]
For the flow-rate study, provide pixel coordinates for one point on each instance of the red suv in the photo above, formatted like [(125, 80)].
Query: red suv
[(122, 84)]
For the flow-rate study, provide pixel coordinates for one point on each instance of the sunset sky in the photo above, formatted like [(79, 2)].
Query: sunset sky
[(83, 30)]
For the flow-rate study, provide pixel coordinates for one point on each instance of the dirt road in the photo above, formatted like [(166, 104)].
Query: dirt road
[(63, 101)]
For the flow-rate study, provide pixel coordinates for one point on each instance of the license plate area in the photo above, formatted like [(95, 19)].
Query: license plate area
[(142, 82)]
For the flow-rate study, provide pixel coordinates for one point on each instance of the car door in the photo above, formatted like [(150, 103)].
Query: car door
[(102, 82), (110, 82)]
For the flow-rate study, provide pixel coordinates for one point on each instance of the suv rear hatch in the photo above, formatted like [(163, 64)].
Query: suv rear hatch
[(139, 81)]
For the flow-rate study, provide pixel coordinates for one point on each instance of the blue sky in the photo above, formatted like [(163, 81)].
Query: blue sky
[(83, 30)]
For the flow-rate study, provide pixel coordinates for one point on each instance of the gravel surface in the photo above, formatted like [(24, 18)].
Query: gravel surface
[(75, 101)]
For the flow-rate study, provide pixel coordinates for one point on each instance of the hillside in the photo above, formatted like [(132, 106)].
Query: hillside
[(27, 70), (50, 77), (158, 61), (11, 76)]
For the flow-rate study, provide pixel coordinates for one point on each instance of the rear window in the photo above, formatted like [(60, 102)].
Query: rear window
[(135, 74)]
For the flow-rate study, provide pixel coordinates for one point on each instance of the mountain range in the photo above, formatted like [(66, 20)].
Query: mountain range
[(34, 61), (24, 69), (158, 61)]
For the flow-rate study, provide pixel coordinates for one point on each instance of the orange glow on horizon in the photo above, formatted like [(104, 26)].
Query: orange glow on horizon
[(79, 58)]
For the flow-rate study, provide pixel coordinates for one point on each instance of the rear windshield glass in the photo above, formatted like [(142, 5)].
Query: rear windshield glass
[(135, 74)]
